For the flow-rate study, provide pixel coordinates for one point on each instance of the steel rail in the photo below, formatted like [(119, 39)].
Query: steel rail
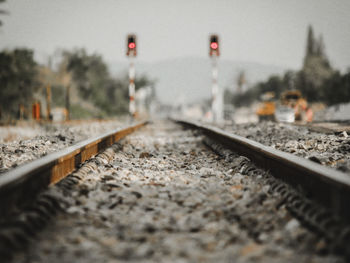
[(327, 186), (25, 182)]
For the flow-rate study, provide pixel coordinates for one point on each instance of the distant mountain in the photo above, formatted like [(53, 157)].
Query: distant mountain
[(189, 79)]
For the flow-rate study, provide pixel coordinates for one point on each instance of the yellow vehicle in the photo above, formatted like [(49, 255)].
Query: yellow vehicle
[(293, 99), (293, 107), (266, 110)]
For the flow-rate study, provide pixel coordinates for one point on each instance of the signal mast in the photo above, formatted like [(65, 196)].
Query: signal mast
[(216, 103), (131, 53)]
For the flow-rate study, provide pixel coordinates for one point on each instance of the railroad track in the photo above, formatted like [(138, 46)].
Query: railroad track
[(24, 183), (328, 186), (166, 176), (328, 127)]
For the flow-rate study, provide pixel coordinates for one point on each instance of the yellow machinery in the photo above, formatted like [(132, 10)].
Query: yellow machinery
[(266, 110), (292, 107), (293, 99)]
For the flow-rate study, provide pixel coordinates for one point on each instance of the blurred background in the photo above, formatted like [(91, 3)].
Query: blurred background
[(67, 59)]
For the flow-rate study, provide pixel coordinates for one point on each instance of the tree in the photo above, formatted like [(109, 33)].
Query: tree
[(310, 44), (89, 72), (91, 79), (241, 81), (320, 48), (2, 12), (316, 68), (337, 88), (275, 84), (18, 79), (317, 80), (118, 92), (289, 79)]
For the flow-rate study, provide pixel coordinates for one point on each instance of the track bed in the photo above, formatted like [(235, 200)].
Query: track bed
[(161, 195)]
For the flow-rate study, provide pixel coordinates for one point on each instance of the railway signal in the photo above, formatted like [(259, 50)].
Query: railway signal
[(131, 53), (214, 46), (217, 103), (131, 46)]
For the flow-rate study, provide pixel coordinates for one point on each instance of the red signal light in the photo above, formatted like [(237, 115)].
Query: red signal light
[(214, 48), (132, 45), (214, 45)]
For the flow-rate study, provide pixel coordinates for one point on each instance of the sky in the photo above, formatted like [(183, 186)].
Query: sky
[(271, 32)]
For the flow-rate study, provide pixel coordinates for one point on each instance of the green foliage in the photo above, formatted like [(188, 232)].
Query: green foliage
[(245, 98), (18, 79), (91, 78), (58, 96), (317, 81), (89, 71), (274, 84), (336, 89), (331, 90), (79, 112), (316, 69)]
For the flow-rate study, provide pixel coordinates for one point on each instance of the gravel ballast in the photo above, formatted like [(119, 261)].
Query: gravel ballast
[(161, 195), (329, 149), (49, 138)]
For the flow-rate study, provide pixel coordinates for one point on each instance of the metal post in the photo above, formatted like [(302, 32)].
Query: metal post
[(21, 111), (48, 102), (68, 102), (132, 106), (216, 105)]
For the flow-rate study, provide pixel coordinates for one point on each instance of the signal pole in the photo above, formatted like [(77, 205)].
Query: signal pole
[(68, 102), (132, 106), (48, 102), (216, 103), (131, 53), (214, 88)]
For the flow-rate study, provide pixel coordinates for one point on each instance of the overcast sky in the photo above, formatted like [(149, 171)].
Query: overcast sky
[(264, 31)]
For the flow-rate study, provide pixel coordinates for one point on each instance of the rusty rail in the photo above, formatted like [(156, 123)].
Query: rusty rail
[(329, 187), (24, 182)]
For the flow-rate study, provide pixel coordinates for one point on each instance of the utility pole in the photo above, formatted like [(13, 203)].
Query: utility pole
[(48, 102), (131, 53), (216, 102), (67, 102), (21, 112), (241, 81)]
